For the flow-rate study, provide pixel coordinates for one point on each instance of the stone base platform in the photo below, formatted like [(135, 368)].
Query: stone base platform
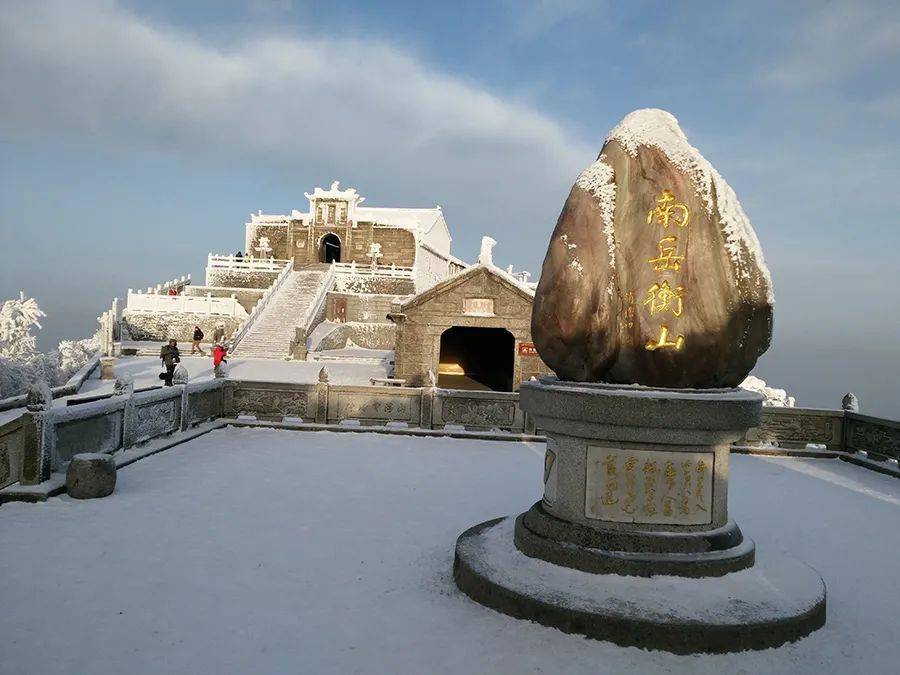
[(708, 553), (777, 600)]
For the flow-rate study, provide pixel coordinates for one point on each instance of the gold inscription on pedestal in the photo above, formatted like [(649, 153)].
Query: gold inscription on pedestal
[(649, 486)]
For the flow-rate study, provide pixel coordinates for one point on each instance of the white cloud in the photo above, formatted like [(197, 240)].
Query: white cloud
[(345, 106)]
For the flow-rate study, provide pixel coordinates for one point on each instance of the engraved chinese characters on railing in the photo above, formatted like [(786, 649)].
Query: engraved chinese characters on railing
[(665, 300), (472, 412), (366, 406), (644, 486)]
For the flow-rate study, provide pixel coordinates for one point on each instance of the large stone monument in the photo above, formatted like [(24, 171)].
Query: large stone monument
[(654, 303)]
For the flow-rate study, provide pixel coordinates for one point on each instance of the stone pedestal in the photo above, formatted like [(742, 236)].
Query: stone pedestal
[(636, 492)]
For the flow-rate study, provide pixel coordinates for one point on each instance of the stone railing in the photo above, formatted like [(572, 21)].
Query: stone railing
[(72, 385), (420, 407), (248, 263), (39, 443), (12, 449), (185, 304), (176, 283), (391, 270), (45, 440), (261, 303), (878, 438)]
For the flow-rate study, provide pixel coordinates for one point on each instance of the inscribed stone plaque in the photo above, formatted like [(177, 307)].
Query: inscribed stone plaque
[(478, 306), (649, 486)]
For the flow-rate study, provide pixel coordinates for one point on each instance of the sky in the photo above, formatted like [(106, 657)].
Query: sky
[(136, 137)]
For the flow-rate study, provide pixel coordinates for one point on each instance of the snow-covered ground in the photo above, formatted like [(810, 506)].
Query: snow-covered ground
[(264, 551)]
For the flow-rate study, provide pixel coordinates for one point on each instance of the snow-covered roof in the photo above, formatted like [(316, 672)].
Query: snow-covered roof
[(418, 220), (524, 289)]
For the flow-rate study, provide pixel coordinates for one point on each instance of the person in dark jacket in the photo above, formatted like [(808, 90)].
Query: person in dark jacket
[(195, 344), (170, 358)]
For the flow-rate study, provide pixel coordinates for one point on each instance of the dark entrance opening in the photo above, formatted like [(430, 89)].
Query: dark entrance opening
[(330, 249), (476, 358)]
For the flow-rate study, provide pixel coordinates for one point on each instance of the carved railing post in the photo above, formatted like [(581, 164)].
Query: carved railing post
[(322, 397), (427, 409), (36, 452)]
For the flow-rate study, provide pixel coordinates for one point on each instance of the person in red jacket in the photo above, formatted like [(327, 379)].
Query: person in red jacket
[(219, 353)]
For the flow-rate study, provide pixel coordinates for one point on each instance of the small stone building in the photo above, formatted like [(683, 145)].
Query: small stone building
[(473, 331)]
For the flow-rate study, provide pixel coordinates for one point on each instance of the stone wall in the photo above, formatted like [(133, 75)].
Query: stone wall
[(424, 319), (358, 307), (365, 335), (373, 285), (161, 326), (246, 297), (279, 239), (237, 278), (398, 246)]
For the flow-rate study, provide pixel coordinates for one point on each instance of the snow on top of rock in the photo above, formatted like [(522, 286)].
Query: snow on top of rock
[(599, 180), (660, 129)]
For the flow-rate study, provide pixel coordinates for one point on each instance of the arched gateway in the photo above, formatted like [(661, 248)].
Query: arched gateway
[(330, 248)]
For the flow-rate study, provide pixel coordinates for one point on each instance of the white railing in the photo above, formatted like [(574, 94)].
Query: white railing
[(248, 263), (175, 283), (260, 305), (185, 304), (367, 270)]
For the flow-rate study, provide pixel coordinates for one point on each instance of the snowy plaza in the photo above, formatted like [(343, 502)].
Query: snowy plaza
[(257, 550), (360, 337)]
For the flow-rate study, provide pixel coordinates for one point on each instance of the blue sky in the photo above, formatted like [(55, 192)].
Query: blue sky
[(136, 136)]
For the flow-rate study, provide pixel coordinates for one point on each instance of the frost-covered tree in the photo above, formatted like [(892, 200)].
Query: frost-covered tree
[(21, 363), (17, 318)]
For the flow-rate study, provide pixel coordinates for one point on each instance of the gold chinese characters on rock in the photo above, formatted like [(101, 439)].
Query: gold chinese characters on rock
[(649, 486), (664, 300)]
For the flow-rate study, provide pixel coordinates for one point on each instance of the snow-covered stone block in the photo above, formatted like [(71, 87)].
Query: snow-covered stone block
[(91, 475)]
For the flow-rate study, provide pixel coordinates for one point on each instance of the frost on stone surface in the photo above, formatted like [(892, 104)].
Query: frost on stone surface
[(599, 180), (659, 129), (774, 398)]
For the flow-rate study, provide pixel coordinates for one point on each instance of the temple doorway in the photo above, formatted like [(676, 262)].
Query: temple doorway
[(476, 358), (330, 248)]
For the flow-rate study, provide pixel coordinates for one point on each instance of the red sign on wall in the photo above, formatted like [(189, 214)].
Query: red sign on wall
[(527, 349)]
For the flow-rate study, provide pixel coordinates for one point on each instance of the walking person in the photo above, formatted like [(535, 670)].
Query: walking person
[(170, 358), (219, 353), (219, 333), (195, 343)]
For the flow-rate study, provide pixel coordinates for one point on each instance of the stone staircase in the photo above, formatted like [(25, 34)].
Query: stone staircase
[(271, 333)]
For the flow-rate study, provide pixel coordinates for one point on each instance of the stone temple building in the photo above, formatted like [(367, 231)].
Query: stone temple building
[(337, 228), (342, 276)]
